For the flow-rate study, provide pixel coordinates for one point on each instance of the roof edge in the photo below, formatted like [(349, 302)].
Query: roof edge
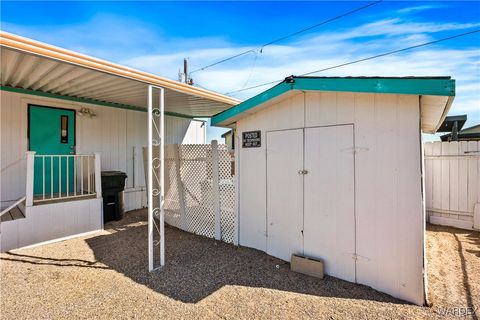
[(23, 44), (448, 105), (261, 98), (437, 86)]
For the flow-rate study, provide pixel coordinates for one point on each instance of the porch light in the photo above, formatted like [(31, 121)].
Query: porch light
[(86, 112)]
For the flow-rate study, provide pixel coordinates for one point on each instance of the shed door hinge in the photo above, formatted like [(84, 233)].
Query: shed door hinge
[(355, 150), (356, 256)]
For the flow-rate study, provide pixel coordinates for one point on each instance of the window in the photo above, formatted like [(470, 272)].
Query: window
[(64, 129)]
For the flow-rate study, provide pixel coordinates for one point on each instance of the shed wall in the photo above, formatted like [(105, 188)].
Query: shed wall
[(388, 191), (118, 134)]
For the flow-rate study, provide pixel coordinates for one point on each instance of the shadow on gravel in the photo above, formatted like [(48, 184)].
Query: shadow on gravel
[(198, 266), (37, 260)]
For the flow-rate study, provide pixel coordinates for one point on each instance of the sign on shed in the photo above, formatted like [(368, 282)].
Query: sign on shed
[(251, 139)]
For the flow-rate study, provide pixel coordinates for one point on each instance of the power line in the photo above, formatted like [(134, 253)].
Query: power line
[(223, 60), (288, 36), (392, 52), (364, 59), (253, 87), (202, 87), (321, 23), (251, 70)]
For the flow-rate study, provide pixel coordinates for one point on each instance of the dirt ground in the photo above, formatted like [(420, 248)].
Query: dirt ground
[(105, 276), (453, 270)]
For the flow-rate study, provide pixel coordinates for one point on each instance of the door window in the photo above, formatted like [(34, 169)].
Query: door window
[(64, 129)]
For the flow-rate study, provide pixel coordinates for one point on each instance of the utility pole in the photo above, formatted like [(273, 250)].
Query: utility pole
[(185, 69), (186, 78)]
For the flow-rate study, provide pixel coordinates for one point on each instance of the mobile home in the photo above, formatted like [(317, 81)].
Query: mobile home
[(65, 117)]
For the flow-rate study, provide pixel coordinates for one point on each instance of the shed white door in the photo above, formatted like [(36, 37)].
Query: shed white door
[(284, 193), (329, 224)]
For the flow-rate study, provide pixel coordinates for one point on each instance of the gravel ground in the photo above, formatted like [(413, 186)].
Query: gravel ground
[(105, 276), (453, 270)]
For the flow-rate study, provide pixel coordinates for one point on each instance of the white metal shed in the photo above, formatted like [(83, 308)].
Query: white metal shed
[(331, 168)]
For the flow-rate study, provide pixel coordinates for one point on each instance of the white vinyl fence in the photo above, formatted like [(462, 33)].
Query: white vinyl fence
[(452, 183), (200, 190)]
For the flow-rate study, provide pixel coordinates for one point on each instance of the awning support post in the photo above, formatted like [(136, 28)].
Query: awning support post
[(156, 132)]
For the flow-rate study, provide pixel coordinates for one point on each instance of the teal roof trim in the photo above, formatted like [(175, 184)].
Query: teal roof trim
[(252, 102), (437, 86), (90, 101)]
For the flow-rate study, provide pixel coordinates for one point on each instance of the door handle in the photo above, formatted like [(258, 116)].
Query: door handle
[(302, 171)]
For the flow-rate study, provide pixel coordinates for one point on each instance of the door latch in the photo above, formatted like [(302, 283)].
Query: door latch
[(302, 171)]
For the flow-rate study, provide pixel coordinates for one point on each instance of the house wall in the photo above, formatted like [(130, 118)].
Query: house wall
[(118, 134), (388, 190)]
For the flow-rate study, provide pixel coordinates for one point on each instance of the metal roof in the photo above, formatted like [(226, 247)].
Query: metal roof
[(436, 94), (34, 67), (472, 129), (467, 134), (448, 123)]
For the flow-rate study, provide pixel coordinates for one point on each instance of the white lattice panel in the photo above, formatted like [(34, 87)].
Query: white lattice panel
[(227, 194), (198, 190), (172, 204), (200, 218)]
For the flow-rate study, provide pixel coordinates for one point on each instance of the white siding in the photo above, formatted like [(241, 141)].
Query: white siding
[(196, 133), (388, 200), (13, 135), (51, 221), (113, 132)]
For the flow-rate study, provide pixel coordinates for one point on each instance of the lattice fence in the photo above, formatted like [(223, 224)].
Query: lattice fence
[(227, 193), (194, 201)]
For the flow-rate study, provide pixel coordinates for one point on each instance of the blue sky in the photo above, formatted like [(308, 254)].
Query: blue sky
[(156, 36)]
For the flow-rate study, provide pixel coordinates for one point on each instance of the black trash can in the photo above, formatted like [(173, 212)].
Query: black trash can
[(113, 184)]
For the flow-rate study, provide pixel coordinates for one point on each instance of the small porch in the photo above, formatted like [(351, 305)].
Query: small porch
[(63, 198)]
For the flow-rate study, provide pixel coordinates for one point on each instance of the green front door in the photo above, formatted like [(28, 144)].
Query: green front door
[(52, 132)]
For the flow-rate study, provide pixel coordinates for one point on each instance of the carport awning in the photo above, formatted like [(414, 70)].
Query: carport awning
[(33, 67)]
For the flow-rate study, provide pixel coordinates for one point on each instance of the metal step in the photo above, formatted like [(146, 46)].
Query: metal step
[(21, 207), (6, 217), (16, 213)]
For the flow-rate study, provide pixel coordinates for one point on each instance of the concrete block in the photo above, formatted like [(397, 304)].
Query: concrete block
[(308, 266), (476, 216)]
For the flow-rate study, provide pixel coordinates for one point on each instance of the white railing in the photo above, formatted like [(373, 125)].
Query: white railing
[(62, 177)]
